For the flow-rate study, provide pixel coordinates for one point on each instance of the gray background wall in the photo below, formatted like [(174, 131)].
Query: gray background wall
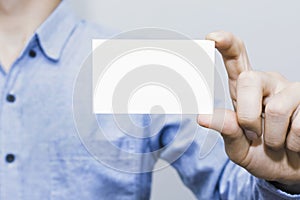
[(270, 29)]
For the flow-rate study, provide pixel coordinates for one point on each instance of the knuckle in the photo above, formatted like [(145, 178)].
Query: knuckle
[(282, 82), (229, 36), (274, 142), (295, 128), (274, 109), (293, 146), (295, 86), (246, 120), (247, 77), (240, 43), (275, 75), (293, 142)]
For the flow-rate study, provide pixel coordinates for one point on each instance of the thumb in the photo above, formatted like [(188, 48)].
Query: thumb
[(225, 122)]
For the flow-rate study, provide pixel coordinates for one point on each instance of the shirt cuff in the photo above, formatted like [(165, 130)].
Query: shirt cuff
[(268, 191)]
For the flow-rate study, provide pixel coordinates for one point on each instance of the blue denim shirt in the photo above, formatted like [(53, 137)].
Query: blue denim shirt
[(42, 156)]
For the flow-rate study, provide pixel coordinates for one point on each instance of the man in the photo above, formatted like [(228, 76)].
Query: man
[(263, 134), (43, 46)]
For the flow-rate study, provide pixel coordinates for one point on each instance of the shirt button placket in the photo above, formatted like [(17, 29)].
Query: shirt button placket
[(11, 128)]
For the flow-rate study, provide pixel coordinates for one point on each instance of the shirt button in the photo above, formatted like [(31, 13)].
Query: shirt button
[(10, 98), (32, 53), (10, 158)]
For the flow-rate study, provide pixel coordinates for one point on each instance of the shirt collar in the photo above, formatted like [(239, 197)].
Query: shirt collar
[(54, 33)]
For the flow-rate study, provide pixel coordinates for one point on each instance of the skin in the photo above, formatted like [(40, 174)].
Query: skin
[(18, 21), (20, 18), (263, 133)]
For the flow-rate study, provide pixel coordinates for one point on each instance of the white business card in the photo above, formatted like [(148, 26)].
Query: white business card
[(153, 76)]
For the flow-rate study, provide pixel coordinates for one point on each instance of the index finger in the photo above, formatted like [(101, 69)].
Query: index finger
[(233, 52)]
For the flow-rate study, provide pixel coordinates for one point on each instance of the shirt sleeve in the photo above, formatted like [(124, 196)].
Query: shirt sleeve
[(205, 168)]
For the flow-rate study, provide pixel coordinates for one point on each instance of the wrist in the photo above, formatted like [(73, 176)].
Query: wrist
[(288, 188)]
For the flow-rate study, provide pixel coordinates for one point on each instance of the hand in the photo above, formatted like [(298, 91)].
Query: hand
[(268, 147)]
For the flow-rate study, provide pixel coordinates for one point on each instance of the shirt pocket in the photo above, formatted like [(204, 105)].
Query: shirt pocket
[(77, 174)]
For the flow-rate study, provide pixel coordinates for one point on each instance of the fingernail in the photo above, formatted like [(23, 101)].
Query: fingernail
[(204, 120), (251, 135), (214, 35)]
